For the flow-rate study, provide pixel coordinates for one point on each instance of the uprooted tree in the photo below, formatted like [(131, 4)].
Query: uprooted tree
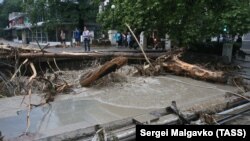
[(179, 67), (170, 62)]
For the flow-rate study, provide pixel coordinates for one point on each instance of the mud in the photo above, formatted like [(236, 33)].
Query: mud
[(70, 114), (114, 97)]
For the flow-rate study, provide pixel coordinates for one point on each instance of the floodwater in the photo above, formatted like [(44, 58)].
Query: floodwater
[(67, 114), (105, 102)]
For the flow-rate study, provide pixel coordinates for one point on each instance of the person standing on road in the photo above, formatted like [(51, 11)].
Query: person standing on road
[(124, 39), (129, 39), (118, 39), (63, 38), (77, 36), (86, 38)]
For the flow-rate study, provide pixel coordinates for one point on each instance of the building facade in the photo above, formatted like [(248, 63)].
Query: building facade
[(48, 26), (21, 30)]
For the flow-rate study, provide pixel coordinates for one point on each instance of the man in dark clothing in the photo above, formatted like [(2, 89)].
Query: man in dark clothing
[(77, 36)]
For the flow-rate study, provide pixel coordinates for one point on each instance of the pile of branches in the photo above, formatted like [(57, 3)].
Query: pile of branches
[(20, 85)]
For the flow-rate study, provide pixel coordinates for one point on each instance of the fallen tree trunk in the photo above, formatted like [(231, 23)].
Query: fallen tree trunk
[(5, 47), (182, 68), (21, 48), (170, 62), (108, 67), (83, 55)]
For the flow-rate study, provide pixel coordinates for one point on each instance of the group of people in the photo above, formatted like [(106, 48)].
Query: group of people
[(77, 36), (124, 39), (127, 40)]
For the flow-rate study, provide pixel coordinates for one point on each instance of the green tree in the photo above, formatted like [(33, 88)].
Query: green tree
[(56, 12), (88, 10), (7, 7), (186, 21)]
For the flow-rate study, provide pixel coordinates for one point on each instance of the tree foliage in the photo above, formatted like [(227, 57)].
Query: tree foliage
[(56, 12), (7, 7), (186, 21)]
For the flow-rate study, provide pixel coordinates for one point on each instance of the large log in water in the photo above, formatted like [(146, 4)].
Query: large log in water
[(108, 67), (182, 68)]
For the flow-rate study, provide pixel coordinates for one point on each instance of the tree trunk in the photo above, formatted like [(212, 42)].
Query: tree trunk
[(108, 67), (84, 55), (182, 68)]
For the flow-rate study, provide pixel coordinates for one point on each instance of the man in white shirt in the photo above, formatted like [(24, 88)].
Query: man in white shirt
[(86, 38)]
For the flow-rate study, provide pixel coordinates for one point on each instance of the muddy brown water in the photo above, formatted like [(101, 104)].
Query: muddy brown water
[(124, 96), (64, 114)]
